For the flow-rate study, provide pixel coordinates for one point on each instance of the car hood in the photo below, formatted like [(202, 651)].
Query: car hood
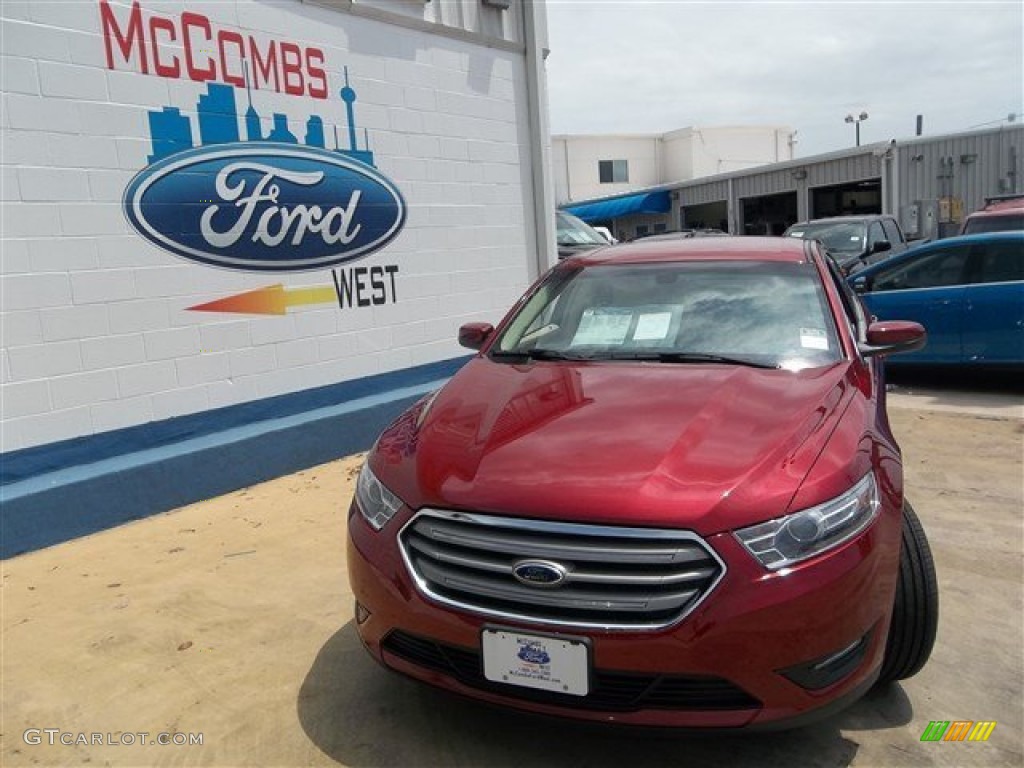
[(709, 447)]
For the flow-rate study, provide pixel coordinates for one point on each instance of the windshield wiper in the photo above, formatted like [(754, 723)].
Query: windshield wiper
[(687, 357), (658, 357), (541, 354), (554, 354)]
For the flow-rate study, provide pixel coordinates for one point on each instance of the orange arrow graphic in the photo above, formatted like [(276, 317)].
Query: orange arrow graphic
[(272, 300)]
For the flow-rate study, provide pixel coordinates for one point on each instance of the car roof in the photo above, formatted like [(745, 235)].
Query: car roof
[(728, 248), (993, 211), (682, 234), (1003, 204), (980, 237), (840, 219)]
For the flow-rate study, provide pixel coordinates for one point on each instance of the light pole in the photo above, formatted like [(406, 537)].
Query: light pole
[(857, 121)]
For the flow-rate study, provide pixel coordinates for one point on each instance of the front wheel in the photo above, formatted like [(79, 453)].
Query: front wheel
[(915, 613)]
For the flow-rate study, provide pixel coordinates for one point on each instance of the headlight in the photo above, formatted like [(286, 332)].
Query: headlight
[(377, 503), (787, 540)]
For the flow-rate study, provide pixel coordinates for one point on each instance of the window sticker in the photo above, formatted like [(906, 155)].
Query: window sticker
[(652, 326), (605, 326), (813, 338), (797, 233)]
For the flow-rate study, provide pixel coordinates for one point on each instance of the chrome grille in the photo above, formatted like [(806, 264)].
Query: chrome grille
[(614, 578)]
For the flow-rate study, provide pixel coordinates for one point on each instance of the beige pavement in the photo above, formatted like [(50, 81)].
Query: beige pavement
[(996, 404), (232, 619)]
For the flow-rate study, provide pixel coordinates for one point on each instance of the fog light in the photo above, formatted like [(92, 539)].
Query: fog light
[(824, 671), (361, 613)]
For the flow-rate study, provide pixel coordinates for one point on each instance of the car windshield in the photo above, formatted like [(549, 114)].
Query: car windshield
[(841, 237), (1002, 223), (765, 314), (572, 231)]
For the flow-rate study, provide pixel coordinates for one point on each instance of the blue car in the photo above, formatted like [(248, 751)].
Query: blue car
[(968, 293)]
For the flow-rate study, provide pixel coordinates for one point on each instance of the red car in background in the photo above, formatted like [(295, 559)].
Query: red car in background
[(664, 492), (1001, 213)]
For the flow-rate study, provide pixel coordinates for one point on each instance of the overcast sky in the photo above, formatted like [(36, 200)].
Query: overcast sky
[(630, 66)]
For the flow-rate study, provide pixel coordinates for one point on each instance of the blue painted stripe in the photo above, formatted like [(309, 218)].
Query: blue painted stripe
[(16, 466), (131, 461), (50, 507)]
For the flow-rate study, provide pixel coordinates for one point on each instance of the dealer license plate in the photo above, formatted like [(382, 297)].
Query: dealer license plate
[(533, 661)]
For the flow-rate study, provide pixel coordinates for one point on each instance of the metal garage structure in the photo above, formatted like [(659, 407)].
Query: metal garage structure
[(928, 183)]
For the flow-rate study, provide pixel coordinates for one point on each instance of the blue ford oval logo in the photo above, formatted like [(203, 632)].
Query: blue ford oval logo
[(539, 573), (265, 207), (534, 653)]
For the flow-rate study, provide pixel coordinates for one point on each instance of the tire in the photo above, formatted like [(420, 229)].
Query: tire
[(915, 613)]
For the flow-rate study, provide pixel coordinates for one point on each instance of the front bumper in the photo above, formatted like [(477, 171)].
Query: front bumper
[(729, 664)]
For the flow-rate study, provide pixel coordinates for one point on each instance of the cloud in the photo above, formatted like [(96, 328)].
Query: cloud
[(650, 67)]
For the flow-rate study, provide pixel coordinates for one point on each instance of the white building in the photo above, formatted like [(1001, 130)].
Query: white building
[(220, 215), (586, 167)]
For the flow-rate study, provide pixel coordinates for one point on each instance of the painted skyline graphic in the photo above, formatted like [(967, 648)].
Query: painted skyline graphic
[(219, 123), (299, 226)]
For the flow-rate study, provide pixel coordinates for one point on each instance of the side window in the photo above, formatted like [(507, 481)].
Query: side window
[(997, 262), (892, 232), (943, 267), (875, 234)]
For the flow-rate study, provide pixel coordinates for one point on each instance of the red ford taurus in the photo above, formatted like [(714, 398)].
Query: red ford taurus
[(664, 492)]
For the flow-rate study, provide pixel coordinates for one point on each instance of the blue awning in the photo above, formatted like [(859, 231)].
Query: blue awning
[(645, 202)]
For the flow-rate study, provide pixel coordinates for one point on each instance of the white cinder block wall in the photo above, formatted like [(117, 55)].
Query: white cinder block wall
[(96, 330)]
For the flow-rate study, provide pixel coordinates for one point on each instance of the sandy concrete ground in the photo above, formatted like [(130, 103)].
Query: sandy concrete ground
[(990, 404), (232, 619), (944, 400), (957, 390)]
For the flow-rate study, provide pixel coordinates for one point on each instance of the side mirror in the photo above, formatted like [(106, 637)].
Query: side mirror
[(860, 285), (881, 246), (889, 337), (473, 335)]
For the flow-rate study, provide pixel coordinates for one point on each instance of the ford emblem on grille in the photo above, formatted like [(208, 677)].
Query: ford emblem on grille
[(539, 573)]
